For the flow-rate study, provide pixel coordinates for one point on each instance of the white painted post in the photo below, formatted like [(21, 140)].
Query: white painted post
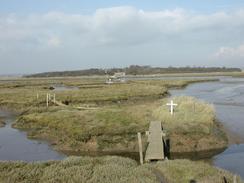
[(47, 99), (140, 147), (235, 179)]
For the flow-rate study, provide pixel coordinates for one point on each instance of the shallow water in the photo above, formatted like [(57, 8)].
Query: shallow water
[(227, 96), (14, 144)]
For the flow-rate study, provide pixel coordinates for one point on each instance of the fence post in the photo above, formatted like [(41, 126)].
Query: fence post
[(235, 179), (54, 98), (47, 99), (140, 147)]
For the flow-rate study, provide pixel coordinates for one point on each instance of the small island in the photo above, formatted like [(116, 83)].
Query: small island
[(118, 112)]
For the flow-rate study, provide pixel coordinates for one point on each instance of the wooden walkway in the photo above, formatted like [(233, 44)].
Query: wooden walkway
[(155, 149)]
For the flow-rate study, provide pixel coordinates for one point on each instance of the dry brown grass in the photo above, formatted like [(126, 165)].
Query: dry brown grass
[(182, 171)]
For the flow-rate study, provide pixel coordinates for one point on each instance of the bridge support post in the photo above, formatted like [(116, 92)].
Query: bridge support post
[(54, 98), (140, 147), (234, 179)]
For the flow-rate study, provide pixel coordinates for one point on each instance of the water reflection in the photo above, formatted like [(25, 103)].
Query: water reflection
[(14, 144)]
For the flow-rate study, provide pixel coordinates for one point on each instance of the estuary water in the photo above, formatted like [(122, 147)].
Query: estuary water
[(227, 95), (14, 144)]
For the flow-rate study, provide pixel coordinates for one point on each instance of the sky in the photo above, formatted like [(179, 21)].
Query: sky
[(56, 35)]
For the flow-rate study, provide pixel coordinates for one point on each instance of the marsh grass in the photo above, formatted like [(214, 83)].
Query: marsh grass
[(188, 112), (192, 127), (182, 171), (114, 127), (21, 93), (111, 126), (75, 170), (110, 169), (73, 128)]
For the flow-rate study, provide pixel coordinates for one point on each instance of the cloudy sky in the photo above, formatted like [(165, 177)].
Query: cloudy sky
[(48, 35)]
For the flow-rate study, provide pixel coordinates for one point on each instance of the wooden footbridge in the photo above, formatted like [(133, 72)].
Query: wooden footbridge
[(155, 148), (52, 99)]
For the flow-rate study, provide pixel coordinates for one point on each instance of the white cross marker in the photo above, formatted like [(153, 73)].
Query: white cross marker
[(171, 104)]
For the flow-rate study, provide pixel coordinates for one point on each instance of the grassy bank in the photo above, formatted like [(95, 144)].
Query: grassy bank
[(2, 123), (114, 127), (110, 169)]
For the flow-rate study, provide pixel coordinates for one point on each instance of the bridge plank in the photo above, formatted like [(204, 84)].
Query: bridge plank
[(155, 149)]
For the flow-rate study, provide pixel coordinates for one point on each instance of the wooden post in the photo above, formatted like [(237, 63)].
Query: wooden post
[(37, 96), (140, 147), (47, 99), (54, 98), (235, 179)]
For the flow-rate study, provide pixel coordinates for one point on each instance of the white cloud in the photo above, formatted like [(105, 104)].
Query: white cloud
[(54, 42), (171, 37), (116, 25), (230, 53)]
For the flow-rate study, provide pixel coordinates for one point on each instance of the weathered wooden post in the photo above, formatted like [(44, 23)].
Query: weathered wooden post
[(140, 147), (54, 98), (49, 97)]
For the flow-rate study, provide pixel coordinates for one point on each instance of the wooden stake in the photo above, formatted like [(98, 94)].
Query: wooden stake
[(140, 147), (49, 97), (54, 98)]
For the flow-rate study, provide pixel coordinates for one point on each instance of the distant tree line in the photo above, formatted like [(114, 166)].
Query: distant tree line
[(136, 70)]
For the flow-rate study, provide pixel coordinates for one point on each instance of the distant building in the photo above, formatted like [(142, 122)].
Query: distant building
[(118, 77)]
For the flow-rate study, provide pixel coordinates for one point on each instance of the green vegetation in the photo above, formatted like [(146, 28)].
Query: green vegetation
[(110, 169), (114, 127), (76, 170), (111, 128), (137, 70)]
